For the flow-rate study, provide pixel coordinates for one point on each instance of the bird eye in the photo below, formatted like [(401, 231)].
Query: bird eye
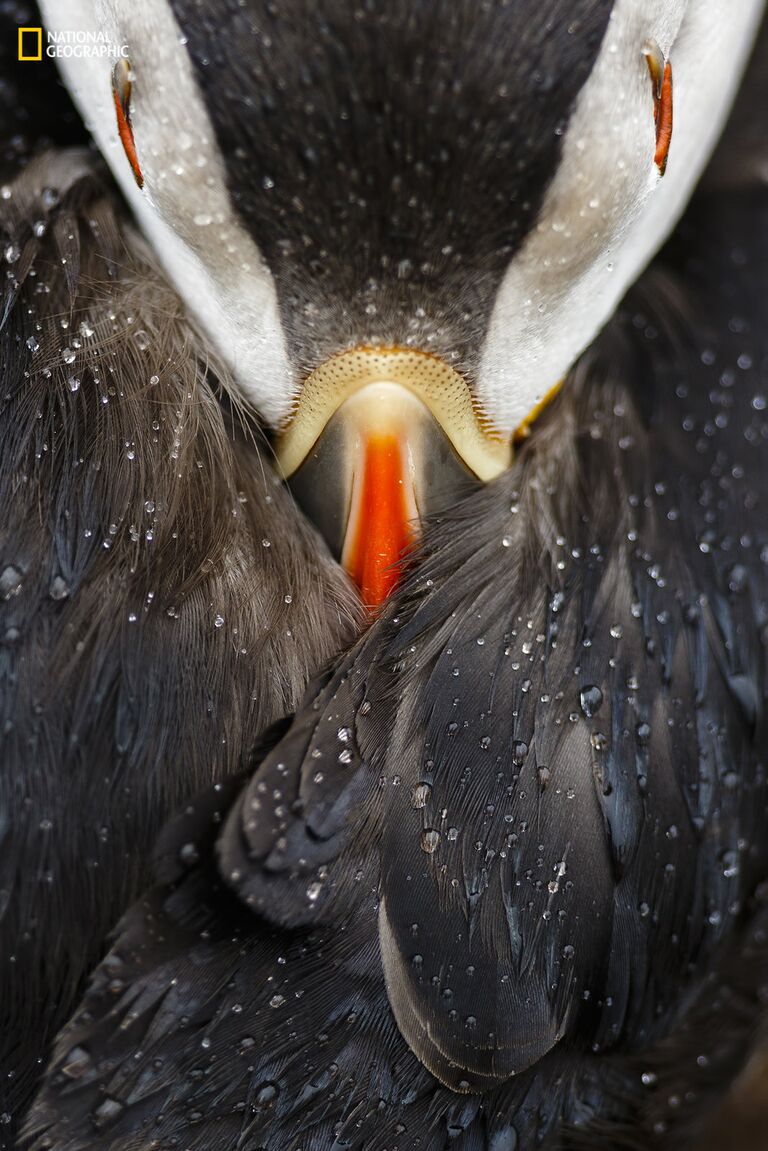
[(121, 91), (661, 78)]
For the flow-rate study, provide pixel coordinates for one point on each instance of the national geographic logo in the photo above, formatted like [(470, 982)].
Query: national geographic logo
[(66, 43), (30, 43)]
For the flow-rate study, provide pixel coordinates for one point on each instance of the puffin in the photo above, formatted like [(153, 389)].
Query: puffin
[(501, 880)]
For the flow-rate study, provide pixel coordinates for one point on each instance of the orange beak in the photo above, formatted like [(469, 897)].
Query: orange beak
[(379, 439), (379, 531)]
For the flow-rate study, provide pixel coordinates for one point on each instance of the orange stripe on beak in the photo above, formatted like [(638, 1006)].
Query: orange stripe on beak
[(121, 94), (378, 530), (664, 121)]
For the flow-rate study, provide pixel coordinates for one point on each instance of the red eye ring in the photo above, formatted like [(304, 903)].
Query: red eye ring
[(121, 94), (661, 78)]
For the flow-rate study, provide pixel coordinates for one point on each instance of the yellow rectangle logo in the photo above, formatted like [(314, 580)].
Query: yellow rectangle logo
[(34, 39)]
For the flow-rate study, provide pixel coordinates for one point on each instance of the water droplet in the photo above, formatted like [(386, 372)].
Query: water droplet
[(519, 752), (59, 588), (218, 621), (107, 1111), (76, 1063), (189, 855), (141, 339), (266, 1094), (430, 840), (68, 356), (420, 794), (277, 1001), (590, 698), (10, 581)]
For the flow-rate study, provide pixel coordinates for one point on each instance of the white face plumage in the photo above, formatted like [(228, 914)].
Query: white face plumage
[(604, 215), (607, 210), (184, 207)]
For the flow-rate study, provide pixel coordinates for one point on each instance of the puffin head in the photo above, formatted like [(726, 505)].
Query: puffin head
[(400, 224)]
